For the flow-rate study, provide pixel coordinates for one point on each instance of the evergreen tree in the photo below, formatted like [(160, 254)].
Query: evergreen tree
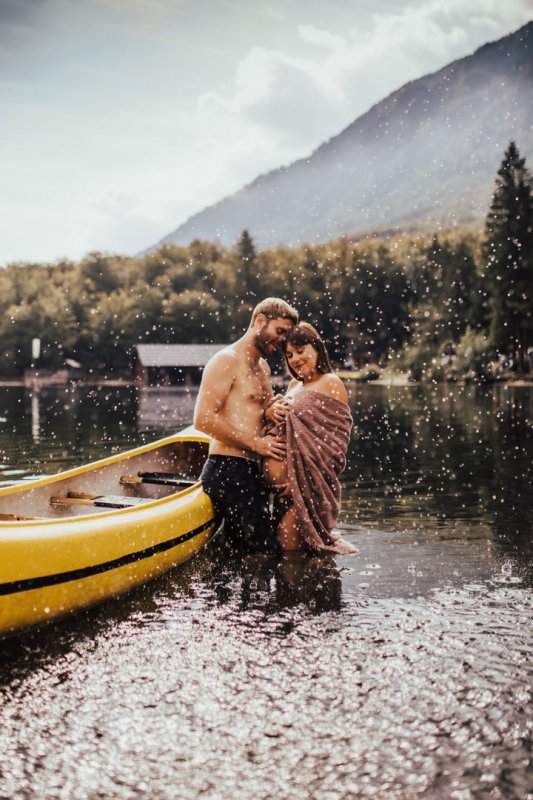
[(458, 299), (247, 268), (508, 252), (438, 259), (312, 293)]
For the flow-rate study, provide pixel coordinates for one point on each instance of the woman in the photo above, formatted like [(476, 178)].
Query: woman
[(315, 421)]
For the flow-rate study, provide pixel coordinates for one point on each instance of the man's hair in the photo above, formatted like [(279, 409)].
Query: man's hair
[(303, 334), (274, 308)]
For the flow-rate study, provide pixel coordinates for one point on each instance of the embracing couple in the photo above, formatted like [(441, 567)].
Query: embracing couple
[(294, 445)]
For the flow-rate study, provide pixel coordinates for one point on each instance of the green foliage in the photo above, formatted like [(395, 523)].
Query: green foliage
[(99, 273), (472, 357), (419, 355), (450, 282), (425, 304), (193, 316), (246, 268), (508, 251)]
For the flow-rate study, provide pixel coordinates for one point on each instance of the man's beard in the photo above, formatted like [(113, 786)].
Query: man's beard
[(263, 344)]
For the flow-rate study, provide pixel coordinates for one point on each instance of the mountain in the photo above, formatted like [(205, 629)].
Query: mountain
[(426, 155)]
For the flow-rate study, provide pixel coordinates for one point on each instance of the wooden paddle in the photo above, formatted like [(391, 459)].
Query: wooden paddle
[(98, 501), (161, 478)]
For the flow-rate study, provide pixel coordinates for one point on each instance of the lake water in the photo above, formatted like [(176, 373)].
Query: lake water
[(403, 673)]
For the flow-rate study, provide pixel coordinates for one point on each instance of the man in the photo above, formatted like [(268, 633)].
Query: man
[(233, 395)]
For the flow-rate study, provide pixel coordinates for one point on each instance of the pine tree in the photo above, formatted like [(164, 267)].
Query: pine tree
[(459, 297), (247, 267), (508, 252)]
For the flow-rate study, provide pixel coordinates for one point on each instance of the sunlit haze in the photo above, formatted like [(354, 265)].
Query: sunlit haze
[(122, 118)]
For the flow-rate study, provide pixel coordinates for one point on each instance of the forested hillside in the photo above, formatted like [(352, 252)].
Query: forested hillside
[(441, 305)]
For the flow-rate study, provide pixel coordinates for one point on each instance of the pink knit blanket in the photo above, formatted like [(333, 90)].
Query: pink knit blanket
[(317, 432)]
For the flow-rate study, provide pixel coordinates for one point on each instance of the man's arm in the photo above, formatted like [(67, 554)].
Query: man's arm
[(217, 382)]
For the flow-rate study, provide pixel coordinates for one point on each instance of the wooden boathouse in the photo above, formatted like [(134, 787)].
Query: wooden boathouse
[(172, 364)]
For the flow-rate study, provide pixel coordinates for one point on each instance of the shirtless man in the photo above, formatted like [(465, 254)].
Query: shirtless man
[(230, 408)]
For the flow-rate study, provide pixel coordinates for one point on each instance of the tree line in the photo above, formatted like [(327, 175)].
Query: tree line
[(439, 305)]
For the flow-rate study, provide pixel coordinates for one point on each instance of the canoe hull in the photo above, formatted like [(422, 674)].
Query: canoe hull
[(50, 568)]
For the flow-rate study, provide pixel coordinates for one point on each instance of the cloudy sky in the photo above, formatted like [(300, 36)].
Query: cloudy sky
[(121, 118)]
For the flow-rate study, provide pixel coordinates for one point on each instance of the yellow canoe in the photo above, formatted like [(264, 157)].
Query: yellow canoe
[(73, 539)]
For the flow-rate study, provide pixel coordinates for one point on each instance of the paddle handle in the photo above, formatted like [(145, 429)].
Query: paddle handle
[(71, 501), (160, 478)]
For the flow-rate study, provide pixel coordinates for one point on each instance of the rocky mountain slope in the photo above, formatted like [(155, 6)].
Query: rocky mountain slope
[(427, 154)]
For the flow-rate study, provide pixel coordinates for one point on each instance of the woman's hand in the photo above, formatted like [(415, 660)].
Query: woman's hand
[(277, 409)]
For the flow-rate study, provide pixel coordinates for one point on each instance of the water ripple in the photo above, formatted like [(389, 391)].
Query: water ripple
[(216, 685)]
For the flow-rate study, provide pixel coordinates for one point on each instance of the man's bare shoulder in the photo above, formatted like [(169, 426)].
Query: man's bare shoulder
[(227, 357)]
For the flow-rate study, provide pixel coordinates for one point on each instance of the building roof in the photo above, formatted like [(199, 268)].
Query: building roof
[(176, 355)]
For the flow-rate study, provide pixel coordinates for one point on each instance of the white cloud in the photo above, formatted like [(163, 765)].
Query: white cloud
[(117, 171), (308, 98), (282, 95)]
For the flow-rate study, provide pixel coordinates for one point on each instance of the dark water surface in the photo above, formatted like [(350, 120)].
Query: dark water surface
[(405, 672)]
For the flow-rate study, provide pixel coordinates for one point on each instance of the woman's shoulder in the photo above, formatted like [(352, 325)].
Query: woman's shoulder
[(332, 386), (293, 383)]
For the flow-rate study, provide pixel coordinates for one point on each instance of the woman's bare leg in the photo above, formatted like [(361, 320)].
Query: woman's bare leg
[(288, 535)]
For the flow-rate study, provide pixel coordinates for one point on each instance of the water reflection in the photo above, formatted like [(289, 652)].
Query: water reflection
[(403, 673), (192, 684), (435, 458), (272, 585), (164, 408), (35, 416), (58, 427), (439, 461)]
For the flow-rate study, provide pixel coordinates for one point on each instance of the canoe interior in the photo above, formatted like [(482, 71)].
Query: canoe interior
[(182, 458)]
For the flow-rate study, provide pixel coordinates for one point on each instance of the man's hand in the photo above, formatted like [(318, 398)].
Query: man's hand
[(270, 447)]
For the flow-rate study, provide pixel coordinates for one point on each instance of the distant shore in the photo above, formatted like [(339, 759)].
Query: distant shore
[(356, 376), (6, 382), (387, 378)]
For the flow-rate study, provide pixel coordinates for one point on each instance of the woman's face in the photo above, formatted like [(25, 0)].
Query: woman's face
[(302, 359)]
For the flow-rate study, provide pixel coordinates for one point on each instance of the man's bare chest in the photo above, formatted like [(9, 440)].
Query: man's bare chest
[(252, 388)]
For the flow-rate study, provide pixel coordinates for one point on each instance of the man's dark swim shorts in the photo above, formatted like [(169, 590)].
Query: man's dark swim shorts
[(239, 495)]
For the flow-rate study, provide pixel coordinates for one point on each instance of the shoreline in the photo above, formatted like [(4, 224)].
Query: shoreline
[(390, 379), (43, 384)]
